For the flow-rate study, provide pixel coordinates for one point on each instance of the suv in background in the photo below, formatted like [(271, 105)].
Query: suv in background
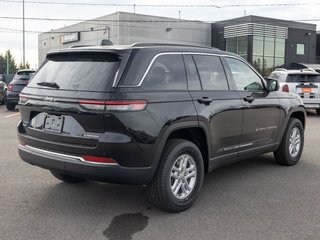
[(19, 81), (159, 115), (304, 82), (3, 88)]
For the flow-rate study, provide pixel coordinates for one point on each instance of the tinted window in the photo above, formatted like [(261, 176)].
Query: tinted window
[(25, 75), (192, 74), (79, 71), (166, 73), (303, 78), (245, 78), (211, 72)]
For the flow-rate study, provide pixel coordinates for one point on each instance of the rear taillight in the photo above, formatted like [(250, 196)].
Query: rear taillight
[(120, 106), (285, 88), (10, 87), (126, 105), (23, 98), (101, 160)]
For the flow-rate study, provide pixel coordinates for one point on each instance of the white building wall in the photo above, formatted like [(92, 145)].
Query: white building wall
[(127, 28)]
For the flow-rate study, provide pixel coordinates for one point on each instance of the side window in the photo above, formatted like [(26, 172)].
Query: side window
[(245, 78), (166, 73), (211, 72), (192, 74)]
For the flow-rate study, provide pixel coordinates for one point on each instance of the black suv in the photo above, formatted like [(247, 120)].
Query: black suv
[(19, 81), (154, 114)]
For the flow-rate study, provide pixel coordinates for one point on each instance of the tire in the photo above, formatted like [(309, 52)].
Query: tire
[(66, 178), (293, 138), (318, 111), (10, 106), (171, 173)]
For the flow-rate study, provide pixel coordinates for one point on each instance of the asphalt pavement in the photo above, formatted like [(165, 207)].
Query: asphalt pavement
[(252, 199)]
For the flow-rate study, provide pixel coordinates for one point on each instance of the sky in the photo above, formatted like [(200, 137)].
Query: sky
[(45, 15)]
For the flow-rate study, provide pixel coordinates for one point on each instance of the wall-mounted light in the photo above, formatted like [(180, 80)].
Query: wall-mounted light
[(168, 29), (308, 34)]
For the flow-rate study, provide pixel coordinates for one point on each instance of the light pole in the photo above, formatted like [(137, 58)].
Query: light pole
[(23, 33)]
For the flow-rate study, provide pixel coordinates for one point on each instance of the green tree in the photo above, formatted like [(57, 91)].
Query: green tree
[(4, 61), (21, 66)]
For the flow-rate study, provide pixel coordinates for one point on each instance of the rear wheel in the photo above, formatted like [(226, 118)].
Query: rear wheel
[(66, 178), (10, 106), (318, 111), (290, 149), (178, 180)]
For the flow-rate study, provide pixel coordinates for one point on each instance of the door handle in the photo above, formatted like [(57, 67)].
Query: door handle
[(205, 100), (248, 99)]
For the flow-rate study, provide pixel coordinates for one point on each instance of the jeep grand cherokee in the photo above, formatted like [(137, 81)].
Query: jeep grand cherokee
[(159, 115)]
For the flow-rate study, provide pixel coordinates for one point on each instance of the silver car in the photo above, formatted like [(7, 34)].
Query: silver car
[(304, 82)]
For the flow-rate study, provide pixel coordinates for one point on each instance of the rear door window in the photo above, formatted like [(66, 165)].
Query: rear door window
[(79, 71), (167, 72)]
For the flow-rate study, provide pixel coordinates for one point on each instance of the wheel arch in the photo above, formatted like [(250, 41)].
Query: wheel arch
[(190, 131)]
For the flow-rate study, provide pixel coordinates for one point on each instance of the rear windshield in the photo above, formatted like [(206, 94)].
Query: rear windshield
[(302, 78), (24, 76), (79, 71)]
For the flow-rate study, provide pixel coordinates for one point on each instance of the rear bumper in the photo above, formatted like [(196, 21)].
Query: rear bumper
[(74, 166), (311, 103)]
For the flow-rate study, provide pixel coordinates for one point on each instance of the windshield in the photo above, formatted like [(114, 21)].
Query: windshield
[(303, 78), (78, 71)]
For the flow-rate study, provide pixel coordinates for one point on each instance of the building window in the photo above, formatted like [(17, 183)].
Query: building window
[(238, 45), (300, 49), (267, 54)]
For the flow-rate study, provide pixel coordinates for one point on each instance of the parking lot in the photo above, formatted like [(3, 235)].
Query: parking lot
[(253, 199)]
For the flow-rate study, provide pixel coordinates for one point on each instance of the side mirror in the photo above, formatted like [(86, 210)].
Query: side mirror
[(272, 85)]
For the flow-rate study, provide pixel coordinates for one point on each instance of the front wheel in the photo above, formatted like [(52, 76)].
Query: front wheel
[(291, 146), (178, 179), (66, 178)]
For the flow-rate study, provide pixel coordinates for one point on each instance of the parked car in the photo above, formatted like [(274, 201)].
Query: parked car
[(19, 81), (159, 115), (304, 82), (3, 87)]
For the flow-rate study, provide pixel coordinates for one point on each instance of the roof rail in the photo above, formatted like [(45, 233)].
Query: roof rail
[(147, 44), (281, 69), (84, 45)]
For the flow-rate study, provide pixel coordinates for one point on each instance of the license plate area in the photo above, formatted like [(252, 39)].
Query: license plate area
[(306, 90), (53, 123)]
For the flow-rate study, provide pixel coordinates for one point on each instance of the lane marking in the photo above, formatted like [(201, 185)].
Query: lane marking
[(12, 115)]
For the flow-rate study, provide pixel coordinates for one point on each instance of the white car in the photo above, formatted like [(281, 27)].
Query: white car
[(304, 82)]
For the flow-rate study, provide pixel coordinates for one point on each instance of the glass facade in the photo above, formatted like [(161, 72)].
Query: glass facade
[(238, 45), (268, 53)]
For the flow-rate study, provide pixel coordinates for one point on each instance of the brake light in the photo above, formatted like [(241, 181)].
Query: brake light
[(10, 87), (23, 98), (120, 106), (285, 88), (95, 159)]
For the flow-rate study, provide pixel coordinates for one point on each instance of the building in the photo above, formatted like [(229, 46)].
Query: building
[(126, 28), (266, 42)]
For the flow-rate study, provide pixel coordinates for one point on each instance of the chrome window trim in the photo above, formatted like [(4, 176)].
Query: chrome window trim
[(188, 53)]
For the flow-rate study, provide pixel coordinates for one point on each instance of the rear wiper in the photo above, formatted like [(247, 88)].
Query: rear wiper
[(49, 84)]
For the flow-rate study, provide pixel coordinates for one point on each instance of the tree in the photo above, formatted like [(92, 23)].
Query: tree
[(21, 66), (4, 60)]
